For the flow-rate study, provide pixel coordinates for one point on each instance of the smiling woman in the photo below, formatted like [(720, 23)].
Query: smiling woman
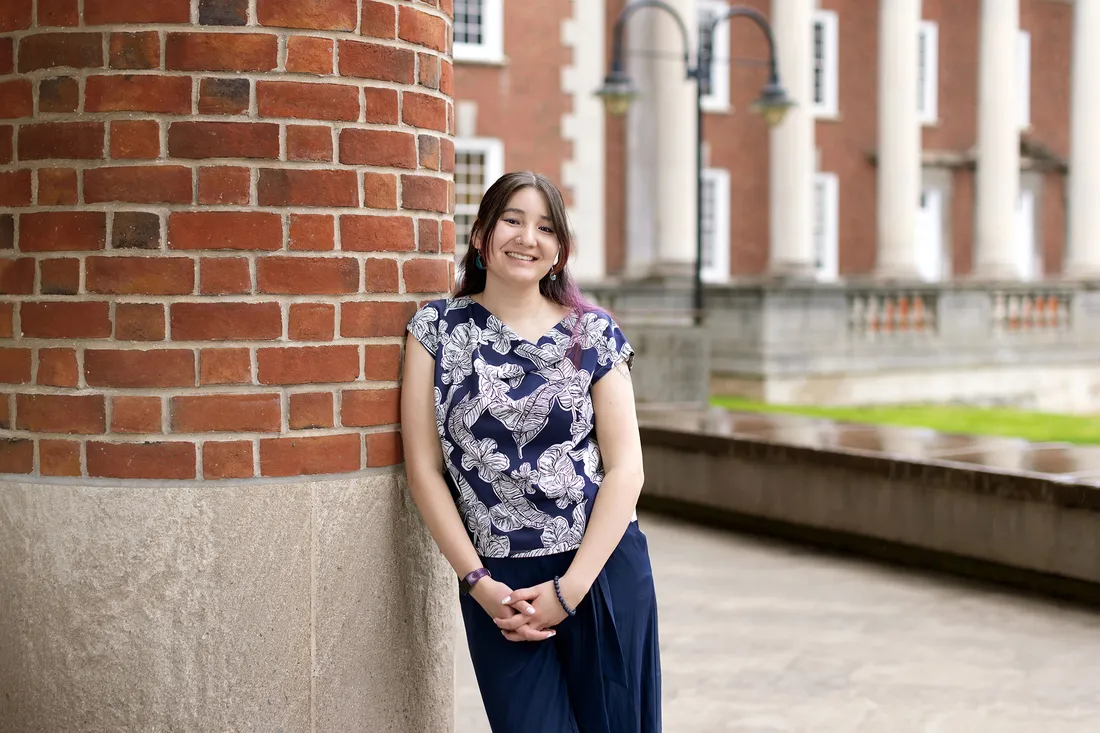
[(524, 457)]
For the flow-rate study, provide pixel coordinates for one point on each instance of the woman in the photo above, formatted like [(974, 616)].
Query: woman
[(523, 456)]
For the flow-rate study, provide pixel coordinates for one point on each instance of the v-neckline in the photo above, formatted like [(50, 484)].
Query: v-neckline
[(515, 333)]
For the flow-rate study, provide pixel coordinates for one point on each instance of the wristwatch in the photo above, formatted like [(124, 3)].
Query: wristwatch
[(465, 585)]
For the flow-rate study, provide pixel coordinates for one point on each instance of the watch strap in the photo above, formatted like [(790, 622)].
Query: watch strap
[(467, 583)]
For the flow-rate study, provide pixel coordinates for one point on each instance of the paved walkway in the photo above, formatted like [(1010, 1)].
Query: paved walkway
[(765, 637)]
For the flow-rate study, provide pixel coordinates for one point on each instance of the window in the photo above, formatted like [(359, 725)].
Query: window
[(930, 251), (718, 100), (928, 79), (826, 242), (716, 225), (1023, 60), (825, 64), (479, 30), (1029, 264), (478, 163)]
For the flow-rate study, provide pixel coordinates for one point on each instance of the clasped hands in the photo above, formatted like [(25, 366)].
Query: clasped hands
[(527, 614)]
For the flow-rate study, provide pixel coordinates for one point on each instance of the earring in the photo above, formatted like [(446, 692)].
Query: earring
[(478, 263), (553, 275)]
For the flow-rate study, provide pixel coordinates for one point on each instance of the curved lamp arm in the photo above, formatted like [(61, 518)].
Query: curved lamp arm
[(762, 22), (620, 31)]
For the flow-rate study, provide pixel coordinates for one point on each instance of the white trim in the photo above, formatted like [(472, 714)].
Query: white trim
[(491, 48), (928, 79), (825, 64), (931, 255), (719, 98), (493, 150), (826, 226), (716, 247), (1023, 65)]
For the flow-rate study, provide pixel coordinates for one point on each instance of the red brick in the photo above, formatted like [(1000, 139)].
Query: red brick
[(379, 20), (52, 50), (62, 231), (136, 415), (307, 101), (308, 364), (17, 276), (224, 276), (379, 190), (310, 456), (138, 184), (66, 320), (60, 94), (246, 230), (383, 449), (326, 15), (139, 369), (224, 413), (83, 140), (424, 111), (428, 238), (135, 230), (428, 151), (145, 93), (135, 139), (377, 234), (224, 96), (378, 62), (15, 15), (227, 459), (60, 276), (7, 144), (135, 50), (15, 188), (308, 55), (7, 231), (311, 410), (15, 366), (226, 321), (364, 408), (328, 188), (17, 99), (447, 155), (140, 275), (381, 275), (16, 455), (312, 232), (106, 12), (223, 12), (416, 26), (307, 275), (223, 140), (7, 320), (5, 413), (59, 457), (425, 193), (221, 52), (73, 414), (56, 186), (428, 70), (447, 78), (218, 185), (142, 460), (312, 322), (382, 106), (139, 322), (425, 276), (375, 319), (225, 366), (7, 55), (305, 142), (382, 363), (378, 148), (57, 368)]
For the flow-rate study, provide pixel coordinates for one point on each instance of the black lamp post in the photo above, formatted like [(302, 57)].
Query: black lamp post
[(618, 92)]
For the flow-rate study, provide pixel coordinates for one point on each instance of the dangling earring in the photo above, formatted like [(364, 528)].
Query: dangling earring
[(553, 276), (478, 263)]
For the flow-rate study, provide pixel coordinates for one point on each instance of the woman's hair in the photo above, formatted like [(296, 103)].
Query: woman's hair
[(562, 290)]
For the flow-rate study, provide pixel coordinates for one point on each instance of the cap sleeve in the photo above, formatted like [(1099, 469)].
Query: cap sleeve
[(424, 327), (613, 350)]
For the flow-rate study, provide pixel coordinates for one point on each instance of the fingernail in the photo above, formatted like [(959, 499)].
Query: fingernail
[(551, 633), (506, 600), (530, 611)]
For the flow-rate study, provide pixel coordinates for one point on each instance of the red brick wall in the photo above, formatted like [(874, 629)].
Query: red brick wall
[(213, 233)]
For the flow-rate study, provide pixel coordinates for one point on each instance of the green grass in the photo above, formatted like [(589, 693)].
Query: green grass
[(1034, 426)]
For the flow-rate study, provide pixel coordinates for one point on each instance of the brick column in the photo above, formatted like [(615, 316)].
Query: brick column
[(216, 217)]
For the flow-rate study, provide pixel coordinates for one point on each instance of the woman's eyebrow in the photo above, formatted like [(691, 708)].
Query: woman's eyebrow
[(521, 212)]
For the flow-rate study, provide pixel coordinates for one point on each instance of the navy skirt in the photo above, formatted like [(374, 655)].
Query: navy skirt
[(601, 673)]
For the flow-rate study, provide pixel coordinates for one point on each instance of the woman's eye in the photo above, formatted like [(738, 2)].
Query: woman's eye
[(548, 230), (511, 221)]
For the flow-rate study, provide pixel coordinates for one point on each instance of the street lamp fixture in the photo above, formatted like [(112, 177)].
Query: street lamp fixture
[(618, 93)]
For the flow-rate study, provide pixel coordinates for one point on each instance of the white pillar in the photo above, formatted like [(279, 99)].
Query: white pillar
[(1084, 167), (792, 145), (998, 141), (899, 139)]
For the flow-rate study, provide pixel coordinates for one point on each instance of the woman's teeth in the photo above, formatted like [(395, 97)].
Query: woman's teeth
[(523, 258)]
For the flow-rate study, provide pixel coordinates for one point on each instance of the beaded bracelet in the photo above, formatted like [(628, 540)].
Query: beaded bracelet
[(561, 599)]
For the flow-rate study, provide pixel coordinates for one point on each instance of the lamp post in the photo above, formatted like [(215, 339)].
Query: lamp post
[(618, 92)]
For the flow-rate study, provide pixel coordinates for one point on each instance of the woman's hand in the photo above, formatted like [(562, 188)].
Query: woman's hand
[(499, 602), (548, 611)]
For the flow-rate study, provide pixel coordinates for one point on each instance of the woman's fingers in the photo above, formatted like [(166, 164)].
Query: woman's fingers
[(511, 623), (518, 599), (526, 633)]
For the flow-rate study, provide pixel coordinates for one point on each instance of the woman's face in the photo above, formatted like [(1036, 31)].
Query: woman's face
[(523, 243)]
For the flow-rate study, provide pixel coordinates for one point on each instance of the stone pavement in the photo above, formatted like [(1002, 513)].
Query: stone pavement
[(759, 636)]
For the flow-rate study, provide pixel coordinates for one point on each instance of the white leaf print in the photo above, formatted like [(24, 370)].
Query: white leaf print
[(558, 477), (499, 335), (483, 456), (422, 327)]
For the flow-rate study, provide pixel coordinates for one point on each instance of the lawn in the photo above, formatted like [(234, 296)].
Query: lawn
[(1037, 427)]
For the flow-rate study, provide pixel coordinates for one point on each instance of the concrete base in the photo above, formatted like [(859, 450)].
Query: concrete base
[(320, 605)]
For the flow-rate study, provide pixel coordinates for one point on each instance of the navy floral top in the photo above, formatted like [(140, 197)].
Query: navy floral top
[(516, 423)]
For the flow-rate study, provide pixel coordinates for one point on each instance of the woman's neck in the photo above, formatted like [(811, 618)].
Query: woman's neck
[(509, 302)]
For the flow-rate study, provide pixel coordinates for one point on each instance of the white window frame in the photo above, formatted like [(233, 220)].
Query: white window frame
[(718, 100), (493, 150), (928, 51), (1023, 65), (827, 105), (491, 48), (716, 248), (826, 226)]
